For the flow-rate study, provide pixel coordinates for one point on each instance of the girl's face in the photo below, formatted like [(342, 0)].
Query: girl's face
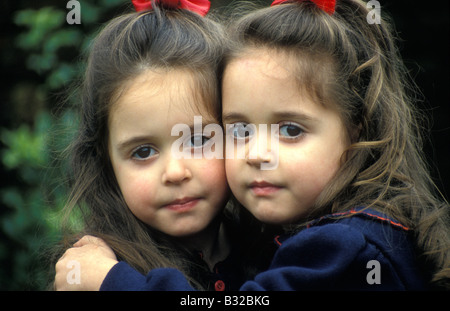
[(179, 197), (258, 89)]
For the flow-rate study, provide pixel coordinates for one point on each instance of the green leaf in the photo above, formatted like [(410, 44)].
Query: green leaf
[(61, 76), (39, 23), (62, 38), (41, 62)]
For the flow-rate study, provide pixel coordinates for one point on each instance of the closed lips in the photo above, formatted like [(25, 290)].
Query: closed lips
[(263, 188), (182, 203)]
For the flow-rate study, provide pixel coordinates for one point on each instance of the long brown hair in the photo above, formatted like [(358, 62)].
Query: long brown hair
[(355, 67), (162, 39)]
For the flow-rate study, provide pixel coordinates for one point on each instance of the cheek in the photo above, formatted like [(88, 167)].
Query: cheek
[(311, 182), (137, 190), (138, 194), (232, 172), (309, 173), (212, 173)]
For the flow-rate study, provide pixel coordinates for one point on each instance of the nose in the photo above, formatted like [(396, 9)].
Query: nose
[(176, 172), (259, 152), (259, 159)]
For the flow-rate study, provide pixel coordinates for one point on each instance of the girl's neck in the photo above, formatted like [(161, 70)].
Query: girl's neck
[(212, 242)]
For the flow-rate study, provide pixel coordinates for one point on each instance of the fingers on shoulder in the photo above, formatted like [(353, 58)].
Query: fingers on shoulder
[(89, 240)]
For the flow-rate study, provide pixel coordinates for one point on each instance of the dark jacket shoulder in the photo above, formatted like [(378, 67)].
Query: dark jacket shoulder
[(355, 250)]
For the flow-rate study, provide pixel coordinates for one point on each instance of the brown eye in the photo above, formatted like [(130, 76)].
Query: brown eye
[(197, 141), (290, 130), (143, 153), (242, 130)]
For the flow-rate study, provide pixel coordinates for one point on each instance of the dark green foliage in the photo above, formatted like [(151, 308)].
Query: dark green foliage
[(44, 59)]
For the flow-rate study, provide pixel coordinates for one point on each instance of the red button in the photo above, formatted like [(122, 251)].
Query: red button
[(219, 286)]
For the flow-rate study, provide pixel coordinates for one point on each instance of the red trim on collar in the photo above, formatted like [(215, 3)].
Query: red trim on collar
[(364, 213), (277, 240)]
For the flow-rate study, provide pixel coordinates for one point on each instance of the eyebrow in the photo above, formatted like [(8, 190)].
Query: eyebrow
[(294, 115), (232, 116), (277, 114), (126, 144)]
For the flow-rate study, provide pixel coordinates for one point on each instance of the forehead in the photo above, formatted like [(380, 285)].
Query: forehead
[(263, 62), (263, 75), (276, 81), (311, 73), (152, 104), (161, 90)]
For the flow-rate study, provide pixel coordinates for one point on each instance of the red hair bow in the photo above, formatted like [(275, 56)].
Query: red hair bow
[(199, 6), (325, 5)]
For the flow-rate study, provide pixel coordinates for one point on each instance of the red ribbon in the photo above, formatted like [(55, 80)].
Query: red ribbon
[(199, 6), (326, 5)]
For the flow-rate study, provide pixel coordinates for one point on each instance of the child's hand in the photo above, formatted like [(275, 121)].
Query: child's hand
[(84, 266)]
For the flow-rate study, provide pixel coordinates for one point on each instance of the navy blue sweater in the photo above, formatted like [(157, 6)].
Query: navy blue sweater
[(366, 251)]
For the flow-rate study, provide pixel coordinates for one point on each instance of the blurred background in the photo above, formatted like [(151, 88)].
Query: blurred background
[(40, 56)]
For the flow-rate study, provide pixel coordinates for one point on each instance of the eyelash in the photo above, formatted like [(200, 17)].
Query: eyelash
[(298, 128), (204, 141), (140, 148), (135, 151), (244, 127), (249, 131)]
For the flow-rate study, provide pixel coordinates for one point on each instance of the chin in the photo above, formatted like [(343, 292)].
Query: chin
[(270, 216), (186, 232)]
